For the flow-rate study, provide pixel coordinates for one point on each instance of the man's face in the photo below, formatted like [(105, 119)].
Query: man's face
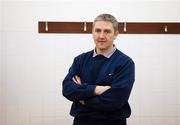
[(103, 35)]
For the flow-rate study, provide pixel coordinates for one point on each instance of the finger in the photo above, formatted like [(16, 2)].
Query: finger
[(78, 79), (108, 87), (74, 80)]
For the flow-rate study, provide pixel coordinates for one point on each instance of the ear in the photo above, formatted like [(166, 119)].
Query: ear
[(116, 34)]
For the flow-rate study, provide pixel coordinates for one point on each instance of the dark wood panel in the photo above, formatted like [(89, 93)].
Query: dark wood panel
[(124, 28), (64, 27), (153, 28)]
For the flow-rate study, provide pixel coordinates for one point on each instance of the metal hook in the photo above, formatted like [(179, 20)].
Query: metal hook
[(166, 28), (46, 26), (125, 28), (85, 26)]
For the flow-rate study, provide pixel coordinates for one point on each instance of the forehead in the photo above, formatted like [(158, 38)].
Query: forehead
[(103, 25)]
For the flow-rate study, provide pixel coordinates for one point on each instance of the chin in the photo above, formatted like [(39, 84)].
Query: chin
[(102, 48)]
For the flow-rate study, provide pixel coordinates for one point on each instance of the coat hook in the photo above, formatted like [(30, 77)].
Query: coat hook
[(46, 26), (125, 28), (85, 26), (166, 28)]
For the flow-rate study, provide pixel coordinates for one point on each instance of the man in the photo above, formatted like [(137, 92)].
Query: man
[(99, 82)]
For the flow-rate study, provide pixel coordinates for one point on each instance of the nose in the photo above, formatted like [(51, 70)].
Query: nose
[(101, 35)]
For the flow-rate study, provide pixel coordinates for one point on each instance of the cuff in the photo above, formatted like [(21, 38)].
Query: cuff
[(90, 90)]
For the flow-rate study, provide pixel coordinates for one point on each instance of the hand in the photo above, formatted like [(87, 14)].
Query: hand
[(77, 80), (101, 89)]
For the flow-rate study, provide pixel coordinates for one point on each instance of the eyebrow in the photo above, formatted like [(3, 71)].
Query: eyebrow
[(99, 29)]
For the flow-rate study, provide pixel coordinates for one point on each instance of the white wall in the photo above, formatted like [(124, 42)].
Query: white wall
[(34, 65), (1, 101)]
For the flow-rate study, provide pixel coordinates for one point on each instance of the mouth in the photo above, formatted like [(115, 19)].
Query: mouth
[(101, 41)]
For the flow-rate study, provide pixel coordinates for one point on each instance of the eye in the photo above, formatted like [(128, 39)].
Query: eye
[(107, 31), (97, 30)]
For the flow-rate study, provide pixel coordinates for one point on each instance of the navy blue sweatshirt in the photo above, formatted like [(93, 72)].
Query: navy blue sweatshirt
[(118, 71)]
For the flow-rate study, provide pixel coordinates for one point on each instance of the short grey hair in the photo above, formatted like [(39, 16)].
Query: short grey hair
[(107, 17)]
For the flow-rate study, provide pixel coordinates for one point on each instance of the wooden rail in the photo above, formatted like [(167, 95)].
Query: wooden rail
[(124, 28)]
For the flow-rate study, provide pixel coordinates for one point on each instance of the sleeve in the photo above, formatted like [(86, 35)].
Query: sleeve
[(73, 91), (119, 93)]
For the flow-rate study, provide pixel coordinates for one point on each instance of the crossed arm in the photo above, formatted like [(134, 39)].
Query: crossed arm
[(98, 89)]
